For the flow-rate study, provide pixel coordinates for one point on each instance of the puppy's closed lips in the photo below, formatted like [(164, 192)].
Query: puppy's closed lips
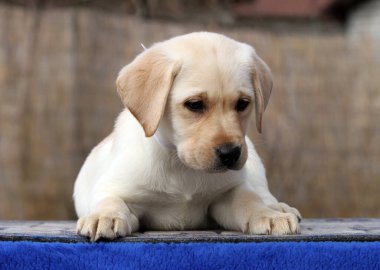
[(196, 92)]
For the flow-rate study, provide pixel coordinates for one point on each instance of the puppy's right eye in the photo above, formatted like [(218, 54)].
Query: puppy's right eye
[(195, 105)]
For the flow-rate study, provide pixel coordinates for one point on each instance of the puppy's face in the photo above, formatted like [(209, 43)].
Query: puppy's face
[(207, 85), (210, 105)]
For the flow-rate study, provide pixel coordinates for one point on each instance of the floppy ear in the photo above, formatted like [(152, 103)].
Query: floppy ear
[(262, 84), (144, 86)]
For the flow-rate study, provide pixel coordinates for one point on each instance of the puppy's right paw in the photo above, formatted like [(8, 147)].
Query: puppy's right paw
[(107, 225)]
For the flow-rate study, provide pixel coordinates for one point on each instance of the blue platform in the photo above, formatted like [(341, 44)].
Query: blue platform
[(188, 250), (268, 255)]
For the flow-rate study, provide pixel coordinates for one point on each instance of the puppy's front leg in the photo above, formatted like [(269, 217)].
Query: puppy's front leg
[(242, 209), (111, 218)]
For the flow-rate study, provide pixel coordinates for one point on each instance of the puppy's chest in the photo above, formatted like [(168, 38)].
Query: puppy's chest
[(176, 205), (176, 196), (168, 211)]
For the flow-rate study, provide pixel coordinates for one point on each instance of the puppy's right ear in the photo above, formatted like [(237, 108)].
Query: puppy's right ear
[(144, 86)]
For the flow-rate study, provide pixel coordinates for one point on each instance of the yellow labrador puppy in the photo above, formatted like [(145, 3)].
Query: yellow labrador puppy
[(179, 157)]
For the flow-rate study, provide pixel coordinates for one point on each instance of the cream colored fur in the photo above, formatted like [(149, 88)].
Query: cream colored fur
[(170, 182)]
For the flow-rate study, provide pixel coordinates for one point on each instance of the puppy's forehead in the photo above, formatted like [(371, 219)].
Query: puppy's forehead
[(204, 43), (211, 63)]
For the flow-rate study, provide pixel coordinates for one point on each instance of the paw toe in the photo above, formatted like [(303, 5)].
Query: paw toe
[(284, 224), (121, 228), (284, 208), (105, 229), (259, 226)]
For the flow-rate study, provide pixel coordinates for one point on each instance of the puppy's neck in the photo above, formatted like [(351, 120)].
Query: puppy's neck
[(163, 135), (163, 142)]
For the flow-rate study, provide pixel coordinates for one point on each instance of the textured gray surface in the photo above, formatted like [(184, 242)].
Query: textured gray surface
[(311, 230)]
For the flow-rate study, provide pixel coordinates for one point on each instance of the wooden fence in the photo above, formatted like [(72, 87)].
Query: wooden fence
[(321, 140)]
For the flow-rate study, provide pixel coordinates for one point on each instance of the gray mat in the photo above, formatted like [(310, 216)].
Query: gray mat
[(315, 230)]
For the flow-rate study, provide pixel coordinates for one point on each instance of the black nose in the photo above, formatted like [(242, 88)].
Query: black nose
[(228, 154)]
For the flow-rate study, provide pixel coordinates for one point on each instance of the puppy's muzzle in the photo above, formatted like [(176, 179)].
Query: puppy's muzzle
[(228, 155)]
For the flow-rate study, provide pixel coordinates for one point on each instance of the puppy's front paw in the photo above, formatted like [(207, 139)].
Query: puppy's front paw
[(284, 208), (107, 225), (268, 221)]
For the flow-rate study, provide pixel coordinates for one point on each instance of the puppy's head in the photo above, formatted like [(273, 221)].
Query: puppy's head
[(202, 88)]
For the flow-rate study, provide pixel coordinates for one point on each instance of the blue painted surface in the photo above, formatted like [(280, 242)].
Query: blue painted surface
[(270, 255)]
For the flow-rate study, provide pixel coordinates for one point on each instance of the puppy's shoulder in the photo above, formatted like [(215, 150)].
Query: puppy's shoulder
[(127, 129)]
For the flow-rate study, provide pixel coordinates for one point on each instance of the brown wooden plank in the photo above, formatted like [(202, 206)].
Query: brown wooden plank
[(311, 230)]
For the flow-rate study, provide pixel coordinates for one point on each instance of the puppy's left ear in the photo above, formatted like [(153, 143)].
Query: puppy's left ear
[(144, 86), (262, 84)]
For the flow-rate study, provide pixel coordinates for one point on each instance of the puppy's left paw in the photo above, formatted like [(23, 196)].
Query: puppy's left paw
[(267, 221), (284, 208)]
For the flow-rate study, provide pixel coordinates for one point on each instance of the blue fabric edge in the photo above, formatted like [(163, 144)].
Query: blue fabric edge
[(193, 255)]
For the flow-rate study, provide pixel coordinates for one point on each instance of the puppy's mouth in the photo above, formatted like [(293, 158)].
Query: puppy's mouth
[(220, 168), (217, 170), (226, 157)]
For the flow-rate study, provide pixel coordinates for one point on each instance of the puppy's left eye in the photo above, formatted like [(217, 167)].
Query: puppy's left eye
[(241, 105)]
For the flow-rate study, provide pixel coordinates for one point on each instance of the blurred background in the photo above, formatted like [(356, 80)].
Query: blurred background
[(59, 61)]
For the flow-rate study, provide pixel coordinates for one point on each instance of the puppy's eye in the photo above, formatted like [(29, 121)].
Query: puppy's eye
[(241, 105), (195, 105)]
